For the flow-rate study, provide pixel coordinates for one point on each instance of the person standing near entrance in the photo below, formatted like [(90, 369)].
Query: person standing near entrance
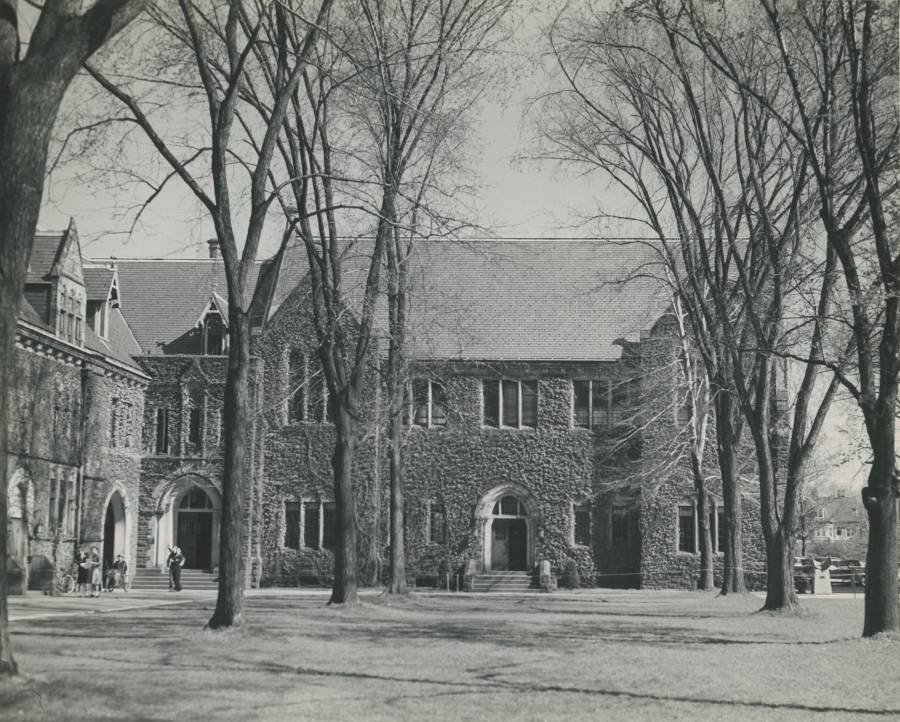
[(96, 565), (174, 563)]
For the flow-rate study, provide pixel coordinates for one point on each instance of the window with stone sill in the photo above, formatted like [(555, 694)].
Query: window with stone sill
[(590, 403), (436, 517), (510, 403), (581, 520)]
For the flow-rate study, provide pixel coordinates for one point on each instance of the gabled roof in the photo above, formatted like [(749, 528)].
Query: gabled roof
[(514, 300), (98, 280), (162, 299), (44, 250)]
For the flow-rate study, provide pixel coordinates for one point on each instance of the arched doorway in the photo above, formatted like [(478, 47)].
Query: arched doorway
[(194, 528), (114, 537), (510, 517), (509, 535)]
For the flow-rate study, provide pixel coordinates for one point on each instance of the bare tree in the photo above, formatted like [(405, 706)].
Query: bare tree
[(32, 87), (728, 182), (219, 45), (838, 60)]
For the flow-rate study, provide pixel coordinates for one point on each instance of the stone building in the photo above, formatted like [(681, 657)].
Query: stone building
[(75, 417), (527, 418)]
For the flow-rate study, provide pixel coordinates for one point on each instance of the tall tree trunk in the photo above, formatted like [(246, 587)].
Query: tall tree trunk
[(343, 590), (29, 99), (880, 501), (780, 591), (397, 582), (706, 550), (726, 441), (229, 610)]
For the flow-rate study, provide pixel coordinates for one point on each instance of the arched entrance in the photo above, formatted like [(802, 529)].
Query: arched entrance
[(115, 539), (508, 515), (20, 506), (194, 528)]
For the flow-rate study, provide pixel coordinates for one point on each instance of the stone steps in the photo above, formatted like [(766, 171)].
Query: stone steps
[(502, 582), (153, 579)]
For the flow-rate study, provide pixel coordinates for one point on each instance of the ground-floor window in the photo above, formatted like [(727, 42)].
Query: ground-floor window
[(581, 514), (689, 527), (436, 519), (313, 522), (619, 524)]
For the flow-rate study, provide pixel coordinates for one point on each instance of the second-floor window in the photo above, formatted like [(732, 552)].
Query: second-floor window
[(582, 524), (121, 424), (297, 372), (428, 404), (162, 431), (510, 403)]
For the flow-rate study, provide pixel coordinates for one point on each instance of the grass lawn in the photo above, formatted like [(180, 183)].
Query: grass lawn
[(596, 655)]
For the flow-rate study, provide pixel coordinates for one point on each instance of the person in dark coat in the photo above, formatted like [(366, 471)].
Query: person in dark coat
[(175, 562), (83, 573)]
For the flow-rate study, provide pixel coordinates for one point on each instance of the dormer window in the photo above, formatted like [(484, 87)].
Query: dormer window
[(98, 312), (215, 334)]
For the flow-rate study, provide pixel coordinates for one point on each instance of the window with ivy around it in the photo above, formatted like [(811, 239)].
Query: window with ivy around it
[(510, 403), (292, 524), (428, 404), (582, 521), (437, 524)]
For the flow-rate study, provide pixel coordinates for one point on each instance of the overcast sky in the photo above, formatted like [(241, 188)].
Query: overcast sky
[(519, 198)]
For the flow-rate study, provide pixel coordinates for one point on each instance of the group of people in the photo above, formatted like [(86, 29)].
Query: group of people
[(89, 574)]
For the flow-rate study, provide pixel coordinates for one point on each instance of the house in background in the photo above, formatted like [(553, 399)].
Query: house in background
[(532, 367)]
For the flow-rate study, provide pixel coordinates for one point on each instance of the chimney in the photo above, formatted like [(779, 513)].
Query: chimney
[(213, 244)]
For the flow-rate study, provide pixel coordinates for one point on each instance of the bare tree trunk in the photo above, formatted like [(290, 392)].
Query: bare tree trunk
[(344, 589), (780, 591), (880, 501), (706, 549), (397, 582), (726, 441), (229, 610)]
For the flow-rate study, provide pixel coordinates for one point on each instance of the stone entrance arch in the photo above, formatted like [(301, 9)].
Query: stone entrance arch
[(525, 513), (116, 524), (188, 513)]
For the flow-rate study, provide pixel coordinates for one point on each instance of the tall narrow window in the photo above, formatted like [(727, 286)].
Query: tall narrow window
[(162, 431), (317, 408), (437, 524), (510, 406), (491, 394), (329, 526), (52, 506), (311, 525), (70, 506), (582, 400), (582, 521), (687, 534), (600, 400), (114, 422), (61, 506), (420, 402), (292, 524), (529, 403), (214, 334), (194, 426), (127, 425), (438, 405), (297, 386)]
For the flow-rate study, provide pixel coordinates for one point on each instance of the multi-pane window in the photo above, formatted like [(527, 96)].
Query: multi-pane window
[(429, 403), (689, 527), (510, 403), (292, 524), (215, 334), (297, 386), (61, 507), (591, 403), (162, 431), (319, 523), (437, 524), (582, 523)]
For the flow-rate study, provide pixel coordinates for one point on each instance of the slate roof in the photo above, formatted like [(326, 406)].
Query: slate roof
[(162, 299), (97, 280), (511, 300), (43, 255)]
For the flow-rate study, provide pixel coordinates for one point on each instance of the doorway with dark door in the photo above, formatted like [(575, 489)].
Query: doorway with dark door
[(509, 545), (194, 529)]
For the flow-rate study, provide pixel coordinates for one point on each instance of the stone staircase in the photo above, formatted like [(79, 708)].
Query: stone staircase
[(503, 582), (191, 579)]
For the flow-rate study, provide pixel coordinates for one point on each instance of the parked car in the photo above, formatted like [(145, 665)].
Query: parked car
[(846, 571), (804, 574)]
